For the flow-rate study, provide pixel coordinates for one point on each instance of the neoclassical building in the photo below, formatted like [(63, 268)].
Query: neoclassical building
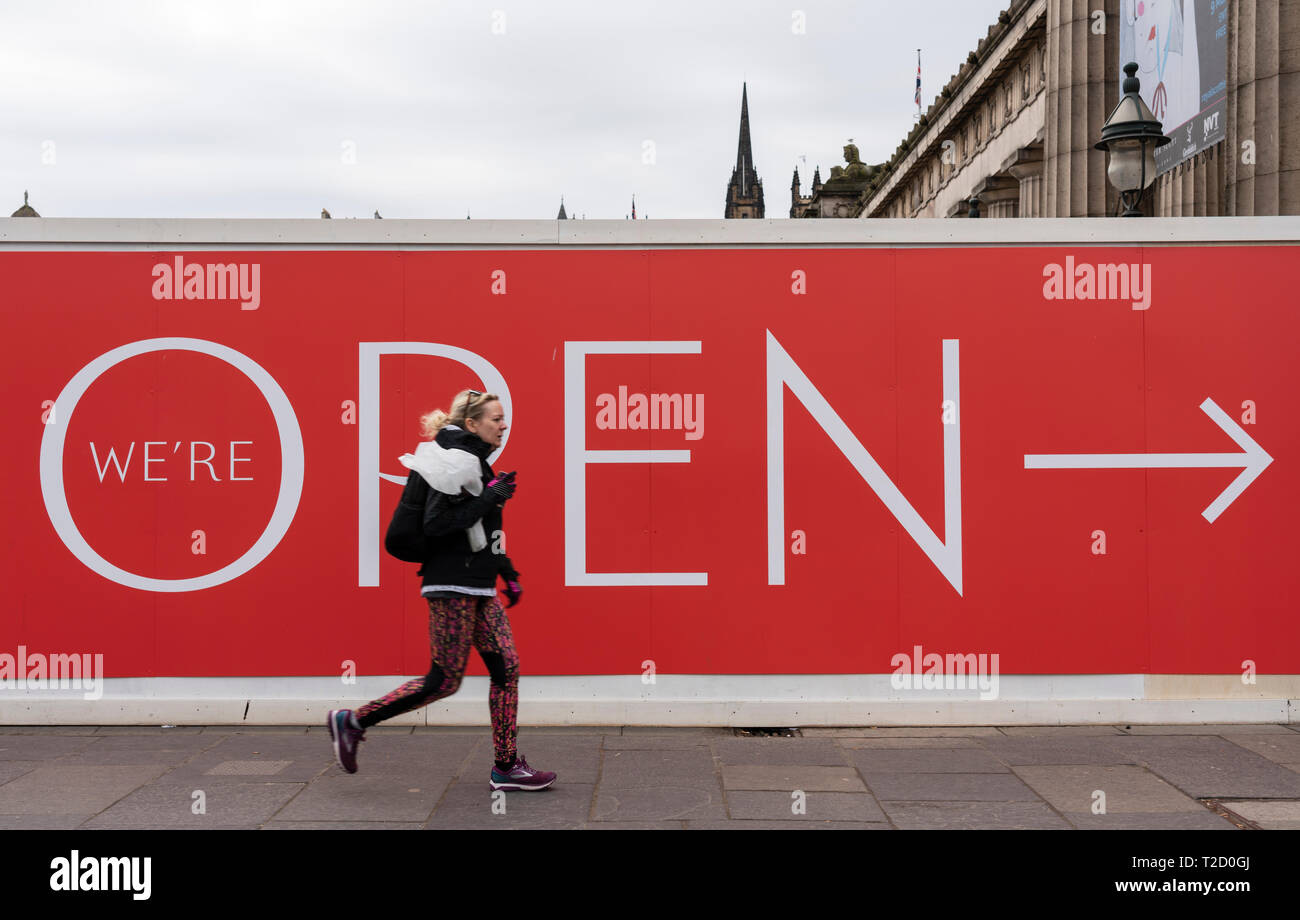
[(1016, 125)]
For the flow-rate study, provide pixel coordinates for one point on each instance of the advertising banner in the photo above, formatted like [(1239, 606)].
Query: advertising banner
[(1181, 49), (729, 461)]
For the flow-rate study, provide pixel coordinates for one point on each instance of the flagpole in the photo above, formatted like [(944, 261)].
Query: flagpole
[(917, 117)]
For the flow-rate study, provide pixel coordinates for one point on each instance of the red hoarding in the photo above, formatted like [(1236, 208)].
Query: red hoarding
[(740, 461)]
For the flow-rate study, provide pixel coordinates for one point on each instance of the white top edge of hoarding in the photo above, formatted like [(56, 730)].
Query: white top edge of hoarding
[(57, 233)]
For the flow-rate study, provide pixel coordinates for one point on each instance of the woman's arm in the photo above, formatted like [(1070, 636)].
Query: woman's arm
[(444, 514)]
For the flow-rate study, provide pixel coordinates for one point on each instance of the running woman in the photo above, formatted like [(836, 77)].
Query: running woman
[(462, 519)]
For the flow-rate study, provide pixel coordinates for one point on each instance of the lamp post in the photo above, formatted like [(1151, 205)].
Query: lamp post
[(1130, 138)]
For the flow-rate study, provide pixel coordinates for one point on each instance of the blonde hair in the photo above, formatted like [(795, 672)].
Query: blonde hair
[(465, 404)]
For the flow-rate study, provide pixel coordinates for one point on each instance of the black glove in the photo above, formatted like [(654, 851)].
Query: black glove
[(502, 488), (513, 591)]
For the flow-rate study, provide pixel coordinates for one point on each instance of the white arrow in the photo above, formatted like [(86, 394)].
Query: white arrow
[(1253, 458)]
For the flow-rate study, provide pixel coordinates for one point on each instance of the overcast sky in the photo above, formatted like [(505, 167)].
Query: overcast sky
[(435, 109)]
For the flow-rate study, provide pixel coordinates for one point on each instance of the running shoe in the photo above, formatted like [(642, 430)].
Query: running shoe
[(521, 776), (345, 738)]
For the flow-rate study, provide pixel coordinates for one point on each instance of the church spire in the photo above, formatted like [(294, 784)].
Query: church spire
[(745, 191), (744, 155)]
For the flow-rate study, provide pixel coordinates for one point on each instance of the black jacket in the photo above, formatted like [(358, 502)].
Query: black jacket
[(446, 517)]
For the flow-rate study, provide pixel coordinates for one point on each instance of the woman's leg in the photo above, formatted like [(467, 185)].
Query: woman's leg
[(496, 646), (451, 631)]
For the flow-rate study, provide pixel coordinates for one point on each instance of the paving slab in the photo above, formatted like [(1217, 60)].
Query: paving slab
[(439, 749), (904, 744), (246, 768), (777, 751), (1212, 767), (949, 787), (659, 803), (229, 804), (1205, 820), (788, 778), (635, 826), (61, 790), (817, 806), (657, 768), (1269, 814), (358, 797), (12, 769), (210, 772), (1095, 749), (916, 731), (292, 747), (655, 741), (300, 759), (255, 730), (342, 826), (42, 822), (709, 731), (173, 827), (927, 760), (1218, 728), (474, 805), (1058, 731), (48, 729), (736, 825), (138, 749), (43, 747), (149, 730), (1279, 748), (1128, 789), (974, 815)]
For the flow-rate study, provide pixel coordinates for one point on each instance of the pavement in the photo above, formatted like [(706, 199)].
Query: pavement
[(1212, 777)]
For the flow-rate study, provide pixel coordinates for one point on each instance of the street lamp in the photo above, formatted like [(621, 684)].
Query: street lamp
[(1130, 138)]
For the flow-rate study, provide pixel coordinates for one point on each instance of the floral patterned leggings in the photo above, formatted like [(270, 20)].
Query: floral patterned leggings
[(454, 625)]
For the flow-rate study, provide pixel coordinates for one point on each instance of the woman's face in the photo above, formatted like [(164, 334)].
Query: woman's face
[(490, 425)]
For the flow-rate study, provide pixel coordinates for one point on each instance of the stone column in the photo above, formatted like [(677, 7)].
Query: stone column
[(1000, 195), (1026, 166), (1083, 75)]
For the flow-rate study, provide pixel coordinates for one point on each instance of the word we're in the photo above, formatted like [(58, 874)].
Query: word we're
[(194, 460), (653, 412)]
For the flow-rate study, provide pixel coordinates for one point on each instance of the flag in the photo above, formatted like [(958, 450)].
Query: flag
[(634, 207), (918, 78)]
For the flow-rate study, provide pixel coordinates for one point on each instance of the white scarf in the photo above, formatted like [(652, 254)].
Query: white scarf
[(449, 472)]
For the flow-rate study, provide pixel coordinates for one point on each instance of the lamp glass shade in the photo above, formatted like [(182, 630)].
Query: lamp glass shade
[(1125, 167), (1149, 155)]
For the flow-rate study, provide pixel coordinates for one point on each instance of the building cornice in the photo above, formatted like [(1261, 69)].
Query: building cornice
[(1006, 47)]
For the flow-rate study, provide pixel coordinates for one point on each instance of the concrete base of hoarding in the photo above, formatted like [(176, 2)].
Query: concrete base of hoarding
[(726, 700)]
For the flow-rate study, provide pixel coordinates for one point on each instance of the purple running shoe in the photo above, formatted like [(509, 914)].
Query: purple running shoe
[(345, 738), (521, 776)]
